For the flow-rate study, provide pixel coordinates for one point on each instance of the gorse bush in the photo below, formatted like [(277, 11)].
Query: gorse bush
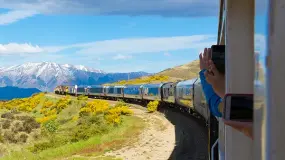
[(113, 114), (95, 107), (82, 97), (152, 106), (62, 103), (23, 104), (50, 110)]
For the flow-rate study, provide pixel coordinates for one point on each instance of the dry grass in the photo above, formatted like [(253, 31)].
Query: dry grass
[(182, 72), (186, 71)]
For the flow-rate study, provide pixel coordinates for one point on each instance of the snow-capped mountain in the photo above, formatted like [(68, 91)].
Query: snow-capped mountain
[(47, 75)]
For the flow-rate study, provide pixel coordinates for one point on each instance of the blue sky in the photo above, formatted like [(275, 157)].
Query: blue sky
[(130, 35)]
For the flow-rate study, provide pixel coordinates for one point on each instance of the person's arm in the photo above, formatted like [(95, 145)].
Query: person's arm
[(212, 98)]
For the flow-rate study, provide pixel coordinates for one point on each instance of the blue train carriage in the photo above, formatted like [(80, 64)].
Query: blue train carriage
[(133, 92), (184, 94), (81, 90), (114, 91), (167, 92), (199, 101), (151, 91), (96, 90)]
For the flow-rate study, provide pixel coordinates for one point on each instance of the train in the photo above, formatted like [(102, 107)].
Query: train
[(185, 95)]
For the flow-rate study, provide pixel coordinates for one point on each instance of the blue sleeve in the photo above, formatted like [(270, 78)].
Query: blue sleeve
[(212, 98)]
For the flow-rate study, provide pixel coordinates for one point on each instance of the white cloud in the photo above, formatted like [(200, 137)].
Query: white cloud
[(118, 7), (180, 8), (142, 45), (118, 46), (122, 57), (15, 48), (13, 16)]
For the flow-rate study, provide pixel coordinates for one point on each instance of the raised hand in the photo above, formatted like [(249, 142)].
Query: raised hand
[(216, 79), (204, 58)]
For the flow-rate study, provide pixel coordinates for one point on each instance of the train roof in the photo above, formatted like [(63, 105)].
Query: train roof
[(134, 86), (152, 85), (114, 86), (187, 82)]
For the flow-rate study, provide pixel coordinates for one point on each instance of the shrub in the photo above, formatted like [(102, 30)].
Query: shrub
[(82, 97), (22, 138), (75, 118), (48, 104), (23, 104), (95, 107), (30, 124), (40, 146), (46, 118), (50, 126), (152, 106), (8, 115), (6, 124), (88, 126), (113, 118), (124, 110), (17, 127), (1, 138), (10, 137)]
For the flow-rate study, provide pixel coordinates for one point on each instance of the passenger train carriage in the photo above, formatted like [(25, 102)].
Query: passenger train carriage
[(186, 95)]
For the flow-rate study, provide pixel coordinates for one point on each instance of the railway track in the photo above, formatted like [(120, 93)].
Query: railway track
[(191, 135)]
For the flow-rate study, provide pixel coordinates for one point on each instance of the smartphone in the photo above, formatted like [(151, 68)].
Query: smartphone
[(218, 57), (238, 107)]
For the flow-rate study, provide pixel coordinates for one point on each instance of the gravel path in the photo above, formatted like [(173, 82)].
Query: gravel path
[(156, 142), (169, 135)]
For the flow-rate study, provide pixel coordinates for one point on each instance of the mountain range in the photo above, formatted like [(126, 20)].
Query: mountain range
[(46, 76)]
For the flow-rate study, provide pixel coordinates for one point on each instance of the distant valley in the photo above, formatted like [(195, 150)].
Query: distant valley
[(8, 93)]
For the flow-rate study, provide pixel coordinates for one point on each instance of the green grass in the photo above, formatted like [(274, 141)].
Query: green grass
[(63, 146), (96, 145)]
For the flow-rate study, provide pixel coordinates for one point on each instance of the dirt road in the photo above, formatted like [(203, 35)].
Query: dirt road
[(156, 142), (169, 135)]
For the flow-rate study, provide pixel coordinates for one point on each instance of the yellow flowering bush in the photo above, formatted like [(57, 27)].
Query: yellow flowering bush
[(62, 104), (124, 110), (96, 106), (23, 104), (82, 97), (152, 106), (46, 118), (113, 118), (50, 110), (48, 104), (75, 118), (113, 114)]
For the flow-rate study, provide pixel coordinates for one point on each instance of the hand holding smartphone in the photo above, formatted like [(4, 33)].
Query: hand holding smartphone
[(238, 107)]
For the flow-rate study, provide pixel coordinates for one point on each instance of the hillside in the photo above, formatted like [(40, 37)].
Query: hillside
[(47, 126), (182, 72), (186, 71)]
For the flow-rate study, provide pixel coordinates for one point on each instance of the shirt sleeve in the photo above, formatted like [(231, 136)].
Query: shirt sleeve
[(212, 98)]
